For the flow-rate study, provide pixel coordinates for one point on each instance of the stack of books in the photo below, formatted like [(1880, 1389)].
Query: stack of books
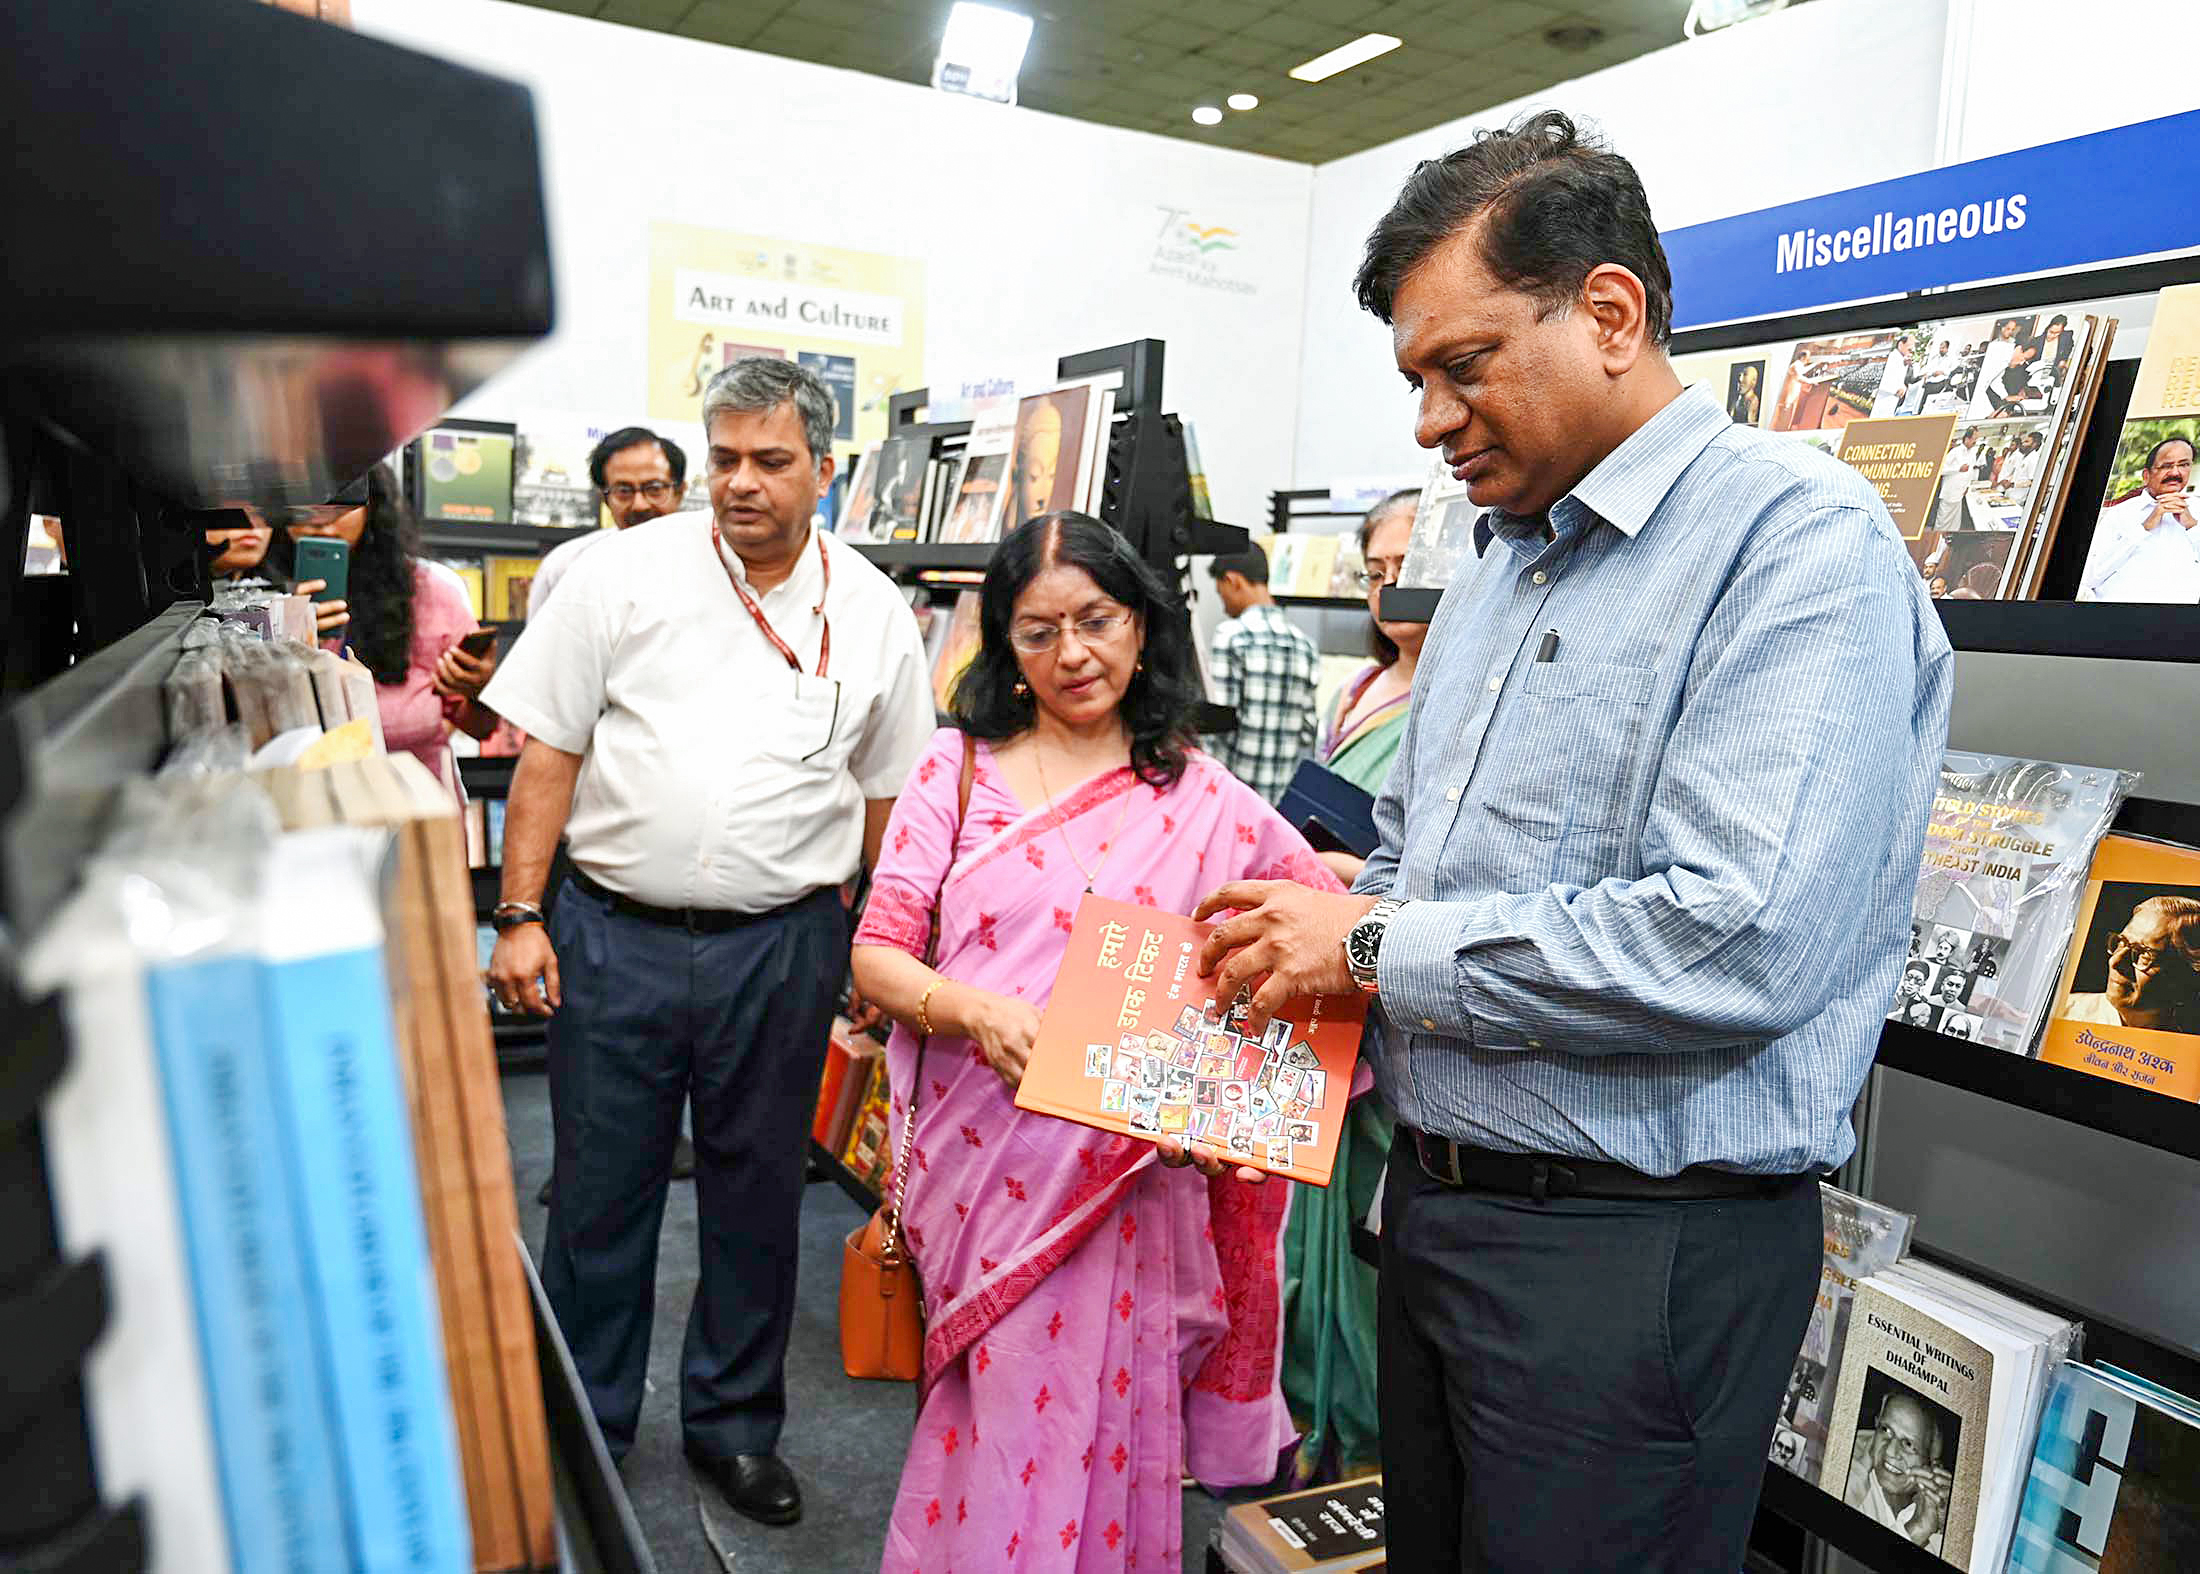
[(1327, 1530)]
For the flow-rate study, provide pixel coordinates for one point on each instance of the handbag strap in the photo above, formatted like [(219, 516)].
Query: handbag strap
[(892, 1248)]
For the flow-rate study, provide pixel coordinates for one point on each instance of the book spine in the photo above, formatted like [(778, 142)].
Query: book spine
[(366, 1253), (271, 1423)]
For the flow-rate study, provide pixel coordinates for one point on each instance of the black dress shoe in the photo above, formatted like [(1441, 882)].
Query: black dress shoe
[(683, 1160), (758, 1485)]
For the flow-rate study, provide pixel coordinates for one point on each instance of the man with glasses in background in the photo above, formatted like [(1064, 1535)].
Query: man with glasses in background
[(748, 695), (640, 475)]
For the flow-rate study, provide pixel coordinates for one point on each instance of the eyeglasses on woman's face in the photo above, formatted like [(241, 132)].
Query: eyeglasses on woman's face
[(1034, 638), (1379, 571), (626, 491)]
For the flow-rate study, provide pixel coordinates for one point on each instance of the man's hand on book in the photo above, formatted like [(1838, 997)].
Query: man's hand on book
[(1176, 1152), (1004, 1030), (1286, 940)]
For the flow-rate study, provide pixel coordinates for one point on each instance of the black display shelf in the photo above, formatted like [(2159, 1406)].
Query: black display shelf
[(2153, 1120), (927, 554), (830, 1168), (598, 1530), (487, 776), (1325, 603), (1809, 1506), (2105, 630), (1401, 605), (498, 540)]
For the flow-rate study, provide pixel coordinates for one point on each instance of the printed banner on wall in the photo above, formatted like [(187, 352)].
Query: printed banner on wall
[(856, 318), (2090, 199)]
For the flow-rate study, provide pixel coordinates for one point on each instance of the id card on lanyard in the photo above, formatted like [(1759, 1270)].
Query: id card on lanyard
[(816, 696)]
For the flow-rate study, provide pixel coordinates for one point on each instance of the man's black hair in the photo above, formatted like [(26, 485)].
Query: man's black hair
[(2155, 452), (1553, 202), (1252, 563), (633, 437)]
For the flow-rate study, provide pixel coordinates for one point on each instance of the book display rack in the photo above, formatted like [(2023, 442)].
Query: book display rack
[(2109, 632), (135, 400)]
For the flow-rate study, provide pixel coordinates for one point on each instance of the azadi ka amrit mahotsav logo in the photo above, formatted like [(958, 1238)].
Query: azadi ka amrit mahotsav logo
[(1186, 249)]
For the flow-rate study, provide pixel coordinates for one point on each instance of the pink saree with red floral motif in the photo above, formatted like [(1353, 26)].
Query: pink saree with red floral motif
[(1096, 1325)]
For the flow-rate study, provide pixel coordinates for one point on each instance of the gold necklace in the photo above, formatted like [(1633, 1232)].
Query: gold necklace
[(1107, 850)]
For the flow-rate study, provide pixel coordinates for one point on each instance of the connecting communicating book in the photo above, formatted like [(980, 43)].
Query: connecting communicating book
[(1134, 1041)]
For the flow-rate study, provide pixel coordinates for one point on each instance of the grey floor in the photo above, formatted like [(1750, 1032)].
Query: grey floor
[(844, 1439)]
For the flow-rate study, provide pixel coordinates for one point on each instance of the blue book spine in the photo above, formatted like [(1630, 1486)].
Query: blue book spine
[(248, 1283), (366, 1249)]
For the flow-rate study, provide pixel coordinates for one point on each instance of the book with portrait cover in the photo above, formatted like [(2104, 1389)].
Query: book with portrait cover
[(1862, 1237), (1934, 1413), (2128, 1007), (1325, 1530), (2115, 1482), (1134, 1042), (1998, 887), (2145, 544)]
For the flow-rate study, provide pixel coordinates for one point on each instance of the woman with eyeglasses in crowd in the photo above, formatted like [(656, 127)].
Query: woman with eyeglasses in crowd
[(1098, 1320), (1329, 1294)]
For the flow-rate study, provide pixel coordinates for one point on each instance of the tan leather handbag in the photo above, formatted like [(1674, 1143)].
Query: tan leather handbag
[(881, 1302)]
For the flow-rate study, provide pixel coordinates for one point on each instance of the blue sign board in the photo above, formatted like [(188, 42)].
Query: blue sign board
[(2091, 199)]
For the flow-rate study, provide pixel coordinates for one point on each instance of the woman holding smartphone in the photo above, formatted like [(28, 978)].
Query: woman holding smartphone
[(408, 620)]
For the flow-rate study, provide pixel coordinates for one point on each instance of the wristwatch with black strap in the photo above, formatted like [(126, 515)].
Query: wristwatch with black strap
[(1363, 944)]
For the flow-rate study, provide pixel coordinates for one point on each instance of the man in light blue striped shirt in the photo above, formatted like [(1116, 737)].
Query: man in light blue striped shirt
[(1646, 863)]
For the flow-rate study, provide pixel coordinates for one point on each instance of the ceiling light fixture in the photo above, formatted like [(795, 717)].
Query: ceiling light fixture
[(1207, 115), (1242, 101), (1345, 56), (981, 51)]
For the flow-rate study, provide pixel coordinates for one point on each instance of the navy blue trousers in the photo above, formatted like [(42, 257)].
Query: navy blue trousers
[(1582, 1384), (735, 1024)]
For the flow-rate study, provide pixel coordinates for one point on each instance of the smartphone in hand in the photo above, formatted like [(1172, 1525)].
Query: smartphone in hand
[(479, 643), (325, 558)]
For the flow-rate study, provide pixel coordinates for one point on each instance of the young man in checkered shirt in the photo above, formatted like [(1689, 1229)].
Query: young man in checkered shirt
[(1266, 669)]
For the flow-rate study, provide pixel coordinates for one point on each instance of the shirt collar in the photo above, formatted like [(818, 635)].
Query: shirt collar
[(1627, 485), (803, 578)]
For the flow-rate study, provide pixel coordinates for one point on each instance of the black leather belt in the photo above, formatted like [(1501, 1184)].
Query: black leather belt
[(1469, 1168), (696, 920)]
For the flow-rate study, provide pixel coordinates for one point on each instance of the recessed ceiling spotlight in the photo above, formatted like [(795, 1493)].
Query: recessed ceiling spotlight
[(1207, 115), (1345, 56), (1242, 101)]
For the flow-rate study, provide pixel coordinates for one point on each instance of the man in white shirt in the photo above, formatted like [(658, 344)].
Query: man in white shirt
[(2144, 548), (641, 477), (1956, 471), (725, 704), (2023, 467)]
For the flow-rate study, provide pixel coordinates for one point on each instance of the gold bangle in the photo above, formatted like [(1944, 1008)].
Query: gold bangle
[(924, 1003)]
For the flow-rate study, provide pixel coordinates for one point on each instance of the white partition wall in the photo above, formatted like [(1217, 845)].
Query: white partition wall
[(1039, 234), (1831, 94)]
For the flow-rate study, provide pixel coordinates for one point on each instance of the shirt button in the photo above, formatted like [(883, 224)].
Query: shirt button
[(1496, 684), (1541, 577), (1429, 1023), (1453, 795)]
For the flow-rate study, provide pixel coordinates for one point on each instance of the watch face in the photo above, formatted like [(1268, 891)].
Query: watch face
[(1360, 946)]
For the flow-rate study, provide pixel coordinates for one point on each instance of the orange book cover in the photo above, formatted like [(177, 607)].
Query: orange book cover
[(2129, 1005), (838, 1057), (1135, 1042)]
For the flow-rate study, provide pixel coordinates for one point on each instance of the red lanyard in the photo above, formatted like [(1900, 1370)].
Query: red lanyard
[(825, 640)]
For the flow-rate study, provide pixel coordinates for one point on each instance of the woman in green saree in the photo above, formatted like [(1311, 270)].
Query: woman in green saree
[(1329, 1294)]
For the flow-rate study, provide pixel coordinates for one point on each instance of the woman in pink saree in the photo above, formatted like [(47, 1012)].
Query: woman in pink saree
[(1097, 1322)]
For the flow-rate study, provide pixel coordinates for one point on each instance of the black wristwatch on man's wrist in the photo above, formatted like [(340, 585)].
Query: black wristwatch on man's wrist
[(1363, 943), (510, 915)]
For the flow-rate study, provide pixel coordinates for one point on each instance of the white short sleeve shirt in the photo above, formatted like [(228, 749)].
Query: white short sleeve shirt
[(716, 775)]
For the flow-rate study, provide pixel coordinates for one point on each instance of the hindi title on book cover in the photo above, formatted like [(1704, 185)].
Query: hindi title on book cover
[(2128, 1005), (1134, 1041)]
